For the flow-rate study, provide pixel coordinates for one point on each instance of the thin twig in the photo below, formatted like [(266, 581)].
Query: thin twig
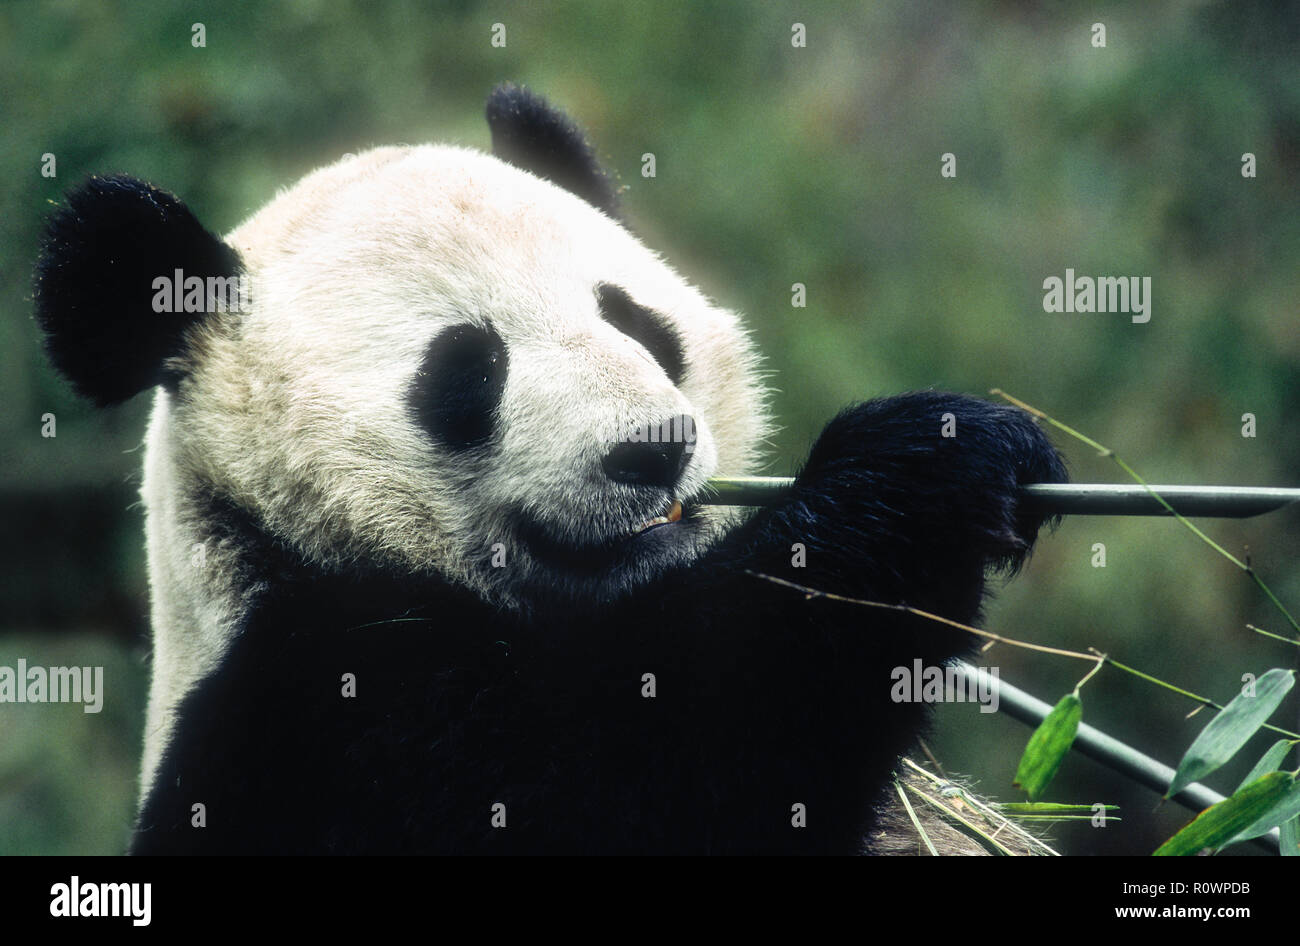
[(1096, 655), (1276, 637), (1101, 660), (989, 635), (1203, 700)]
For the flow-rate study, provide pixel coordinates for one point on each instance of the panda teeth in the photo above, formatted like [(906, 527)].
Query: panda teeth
[(672, 514)]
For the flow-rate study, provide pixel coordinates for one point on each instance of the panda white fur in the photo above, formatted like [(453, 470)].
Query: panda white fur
[(397, 528)]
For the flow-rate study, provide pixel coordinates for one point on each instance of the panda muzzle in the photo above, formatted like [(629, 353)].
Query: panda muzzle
[(672, 514)]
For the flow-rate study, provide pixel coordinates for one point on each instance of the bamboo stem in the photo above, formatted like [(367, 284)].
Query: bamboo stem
[(1075, 499)]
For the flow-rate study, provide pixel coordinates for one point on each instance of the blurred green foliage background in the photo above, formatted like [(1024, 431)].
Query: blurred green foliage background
[(775, 165)]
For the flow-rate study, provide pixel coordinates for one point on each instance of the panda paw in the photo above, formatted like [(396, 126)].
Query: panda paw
[(935, 469)]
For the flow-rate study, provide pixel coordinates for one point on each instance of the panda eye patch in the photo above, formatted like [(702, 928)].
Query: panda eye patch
[(644, 326), (458, 386)]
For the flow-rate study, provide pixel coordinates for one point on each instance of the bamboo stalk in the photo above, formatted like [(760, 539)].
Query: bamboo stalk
[(1076, 499)]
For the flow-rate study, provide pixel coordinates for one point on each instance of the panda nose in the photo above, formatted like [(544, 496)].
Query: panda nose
[(658, 462)]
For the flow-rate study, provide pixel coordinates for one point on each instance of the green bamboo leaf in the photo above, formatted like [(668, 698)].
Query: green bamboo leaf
[(1046, 808), (1231, 729), (1290, 846), (1218, 824), (1056, 818), (1271, 762), (1048, 745), (1287, 807)]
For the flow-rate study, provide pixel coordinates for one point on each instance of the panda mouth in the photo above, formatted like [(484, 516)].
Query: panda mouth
[(613, 549), (672, 514)]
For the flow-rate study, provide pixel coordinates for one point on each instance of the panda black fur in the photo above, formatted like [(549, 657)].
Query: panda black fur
[(396, 467)]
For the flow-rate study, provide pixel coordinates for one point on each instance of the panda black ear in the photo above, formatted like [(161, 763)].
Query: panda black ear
[(94, 285), (531, 134)]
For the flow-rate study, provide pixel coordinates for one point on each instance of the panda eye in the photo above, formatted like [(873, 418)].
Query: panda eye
[(644, 326), (456, 391)]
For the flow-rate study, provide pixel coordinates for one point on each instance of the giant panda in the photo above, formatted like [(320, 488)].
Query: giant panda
[(418, 583)]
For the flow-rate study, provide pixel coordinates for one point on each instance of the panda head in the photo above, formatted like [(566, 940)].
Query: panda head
[(445, 363)]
